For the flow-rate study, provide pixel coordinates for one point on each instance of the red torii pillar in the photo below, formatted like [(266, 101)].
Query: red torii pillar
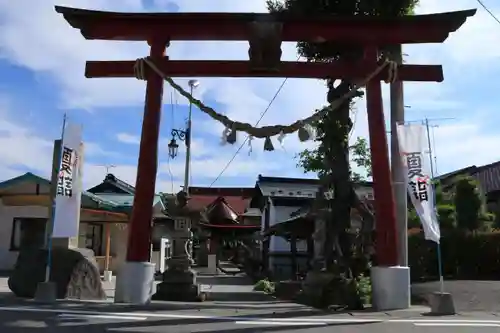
[(141, 221), (367, 32)]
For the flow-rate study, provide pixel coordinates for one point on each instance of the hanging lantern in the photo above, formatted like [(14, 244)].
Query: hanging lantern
[(173, 148), (232, 136), (268, 144)]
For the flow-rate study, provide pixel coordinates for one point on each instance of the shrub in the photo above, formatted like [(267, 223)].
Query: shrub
[(364, 288), (264, 285), (446, 216), (467, 200), (465, 256)]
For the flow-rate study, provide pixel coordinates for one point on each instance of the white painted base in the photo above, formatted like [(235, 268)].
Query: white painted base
[(135, 283), (107, 276), (390, 288), (212, 264)]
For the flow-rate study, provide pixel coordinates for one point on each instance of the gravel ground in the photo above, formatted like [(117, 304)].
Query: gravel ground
[(467, 295)]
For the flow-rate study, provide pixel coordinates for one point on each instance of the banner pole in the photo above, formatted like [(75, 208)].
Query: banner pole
[(51, 223), (439, 257)]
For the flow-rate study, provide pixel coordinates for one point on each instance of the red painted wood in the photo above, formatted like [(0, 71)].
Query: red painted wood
[(237, 32), (385, 206), (140, 225), (433, 28), (219, 68)]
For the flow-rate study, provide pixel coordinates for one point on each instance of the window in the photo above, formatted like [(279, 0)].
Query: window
[(91, 235), (27, 232)]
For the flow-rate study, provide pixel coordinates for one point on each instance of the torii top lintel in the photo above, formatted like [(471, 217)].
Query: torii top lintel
[(433, 28)]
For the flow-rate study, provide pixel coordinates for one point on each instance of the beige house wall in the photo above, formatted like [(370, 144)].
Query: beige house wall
[(7, 214)]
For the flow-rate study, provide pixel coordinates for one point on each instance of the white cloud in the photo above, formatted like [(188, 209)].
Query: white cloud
[(456, 143), (128, 138)]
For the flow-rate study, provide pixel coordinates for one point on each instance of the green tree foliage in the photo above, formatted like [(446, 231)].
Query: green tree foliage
[(413, 219), (328, 51), (467, 200), (446, 216), (445, 208), (486, 222), (311, 160)]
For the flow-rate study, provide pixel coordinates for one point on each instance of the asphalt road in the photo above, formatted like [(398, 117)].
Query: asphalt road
[(14, 319)]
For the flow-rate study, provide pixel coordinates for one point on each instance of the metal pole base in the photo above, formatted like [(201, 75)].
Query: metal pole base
[(46, 292), (442, 304)]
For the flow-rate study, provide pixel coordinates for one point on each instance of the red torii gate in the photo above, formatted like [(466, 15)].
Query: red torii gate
[(158, 29)]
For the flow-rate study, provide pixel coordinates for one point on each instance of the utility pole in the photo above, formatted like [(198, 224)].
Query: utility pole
[(192, 84), (432, 157), (398, 176), (430, 146)]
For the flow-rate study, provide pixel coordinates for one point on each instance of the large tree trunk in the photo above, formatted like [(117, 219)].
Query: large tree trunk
[(337, 180)]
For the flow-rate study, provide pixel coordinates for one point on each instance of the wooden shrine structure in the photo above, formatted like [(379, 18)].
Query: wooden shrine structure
[(265, 33)]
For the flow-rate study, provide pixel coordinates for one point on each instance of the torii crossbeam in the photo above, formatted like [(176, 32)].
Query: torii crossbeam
[(265, 33)]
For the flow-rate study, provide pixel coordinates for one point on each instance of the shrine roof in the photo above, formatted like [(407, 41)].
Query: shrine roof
[(89, 200), (294, 187), (220, 212), (112, 184), (237, 198), (432, 28)]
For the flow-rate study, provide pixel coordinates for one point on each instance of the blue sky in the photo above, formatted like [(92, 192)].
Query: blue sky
[(42, 61)]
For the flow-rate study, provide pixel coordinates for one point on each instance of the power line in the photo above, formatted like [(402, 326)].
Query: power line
[(488, 11), (246, 139), (172, 115), (430, 133)]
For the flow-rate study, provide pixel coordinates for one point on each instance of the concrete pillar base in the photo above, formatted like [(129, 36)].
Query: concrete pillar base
[(390, 288), (442, 304), (135, 283), (107, 276), (46, 292)]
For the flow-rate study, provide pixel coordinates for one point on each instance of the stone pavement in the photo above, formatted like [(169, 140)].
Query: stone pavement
[(218, 287)]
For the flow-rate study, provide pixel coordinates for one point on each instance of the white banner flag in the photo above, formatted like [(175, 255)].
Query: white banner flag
[(69, 184), (412, 147)]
